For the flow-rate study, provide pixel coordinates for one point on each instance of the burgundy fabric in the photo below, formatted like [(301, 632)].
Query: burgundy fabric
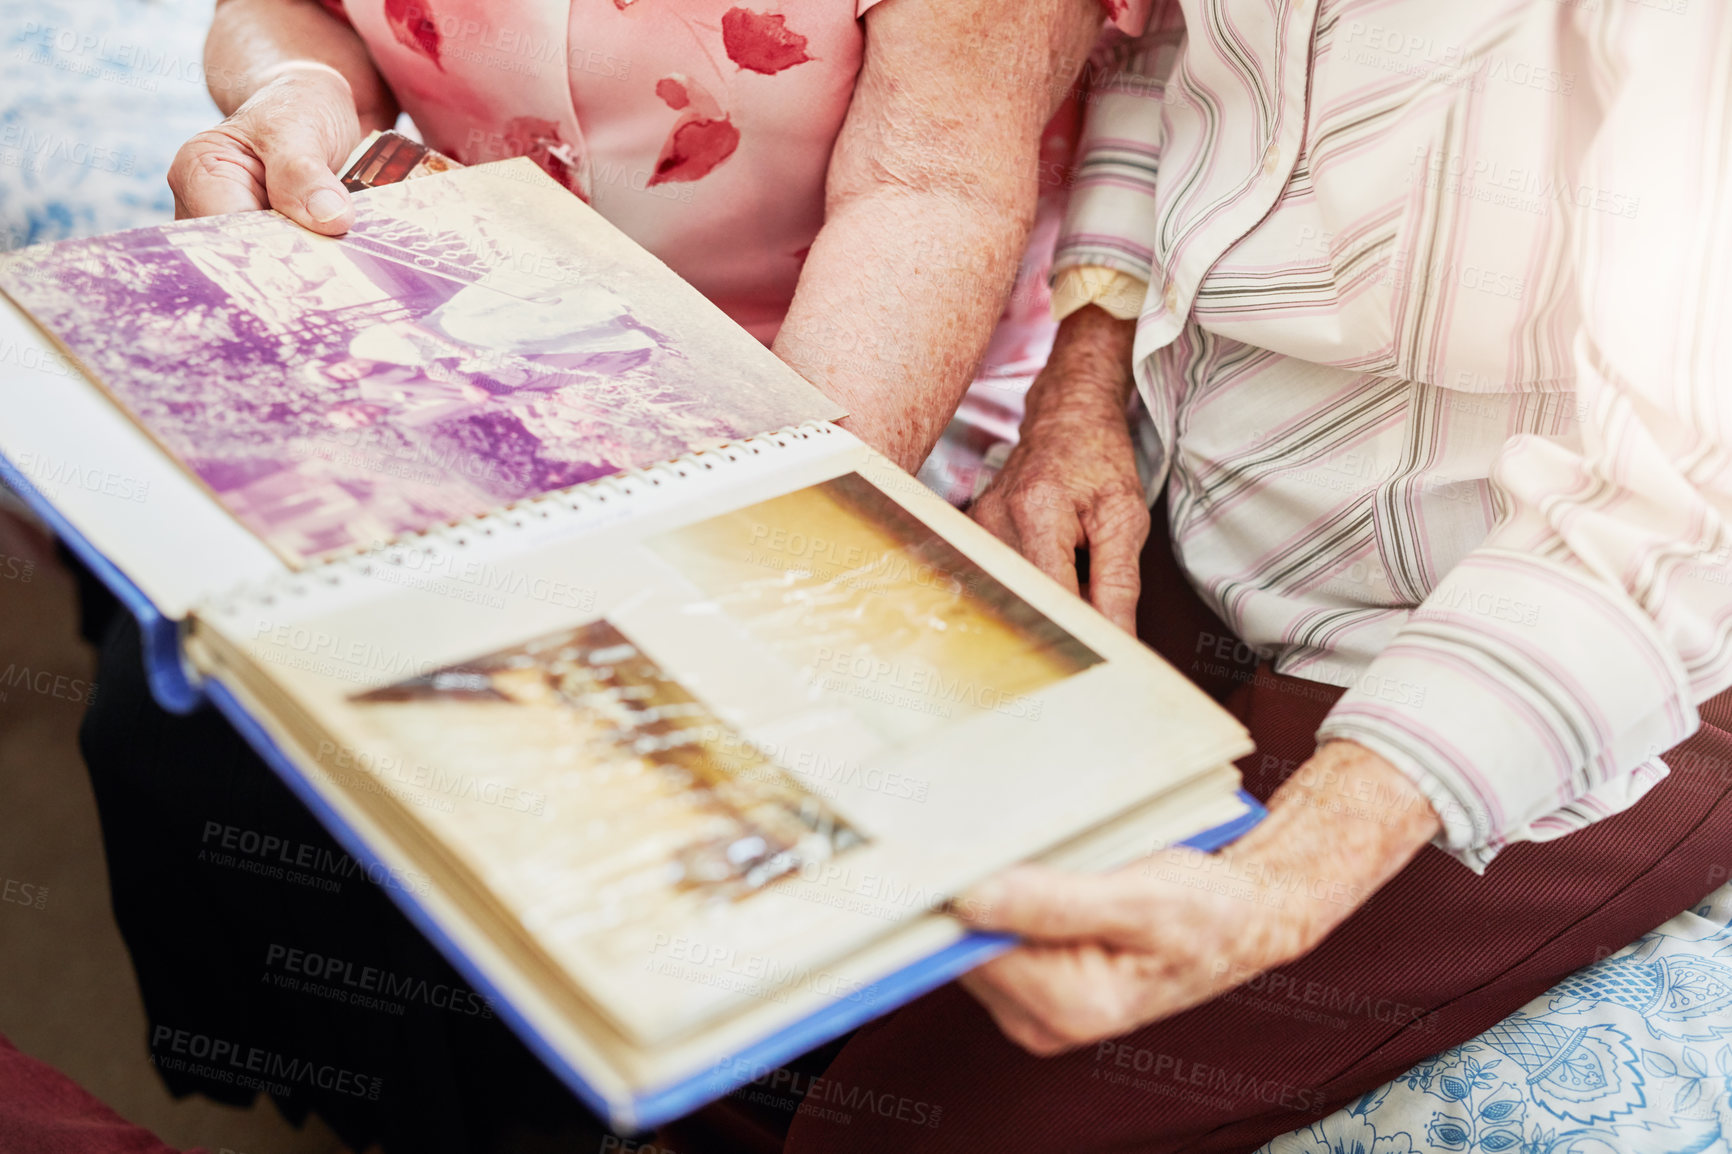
[(42, 1111), (1435, 957)]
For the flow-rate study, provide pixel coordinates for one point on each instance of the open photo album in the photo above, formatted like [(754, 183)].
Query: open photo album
[(551, 590)]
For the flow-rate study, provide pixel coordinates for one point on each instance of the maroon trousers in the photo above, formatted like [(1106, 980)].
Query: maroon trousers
[(1434, 958)]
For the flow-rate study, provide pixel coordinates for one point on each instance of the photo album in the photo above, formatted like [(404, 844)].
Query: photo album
[(681, 713)]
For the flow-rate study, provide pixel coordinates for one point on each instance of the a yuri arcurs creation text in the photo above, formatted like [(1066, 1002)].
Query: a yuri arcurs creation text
[(477, 338)]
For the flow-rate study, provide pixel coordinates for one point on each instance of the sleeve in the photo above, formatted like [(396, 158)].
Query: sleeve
[(1119, 293), (1533, 690), (1110, 220)]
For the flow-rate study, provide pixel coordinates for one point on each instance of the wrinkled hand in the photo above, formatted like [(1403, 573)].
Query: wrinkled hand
[(1104, 954), (278, 150), (1072, 479)]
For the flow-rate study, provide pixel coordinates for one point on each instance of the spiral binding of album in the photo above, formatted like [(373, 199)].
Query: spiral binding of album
[(562, 512)]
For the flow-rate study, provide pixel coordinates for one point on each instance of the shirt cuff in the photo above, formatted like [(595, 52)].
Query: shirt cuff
[(1119, 293), (1523, 701)]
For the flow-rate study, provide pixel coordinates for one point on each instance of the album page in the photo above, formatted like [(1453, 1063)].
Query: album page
[(769, 709), (479, 337)]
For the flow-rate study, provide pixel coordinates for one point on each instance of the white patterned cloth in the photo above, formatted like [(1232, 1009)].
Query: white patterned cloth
[(98, 96), (1631, 1054), (1438, 344)]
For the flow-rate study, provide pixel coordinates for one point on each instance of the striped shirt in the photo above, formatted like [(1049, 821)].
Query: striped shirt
[(1436, 351)]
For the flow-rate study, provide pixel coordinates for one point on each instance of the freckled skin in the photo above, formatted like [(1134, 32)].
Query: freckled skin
[(1106, 954), (931, 193)]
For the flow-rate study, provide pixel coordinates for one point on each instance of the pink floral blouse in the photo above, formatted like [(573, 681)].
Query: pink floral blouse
[(702, 128)]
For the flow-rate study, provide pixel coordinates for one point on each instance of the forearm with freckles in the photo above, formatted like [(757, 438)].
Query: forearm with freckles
[(1090, 367), (896, 304), (930, 195), (250, 40), (1344, 824)]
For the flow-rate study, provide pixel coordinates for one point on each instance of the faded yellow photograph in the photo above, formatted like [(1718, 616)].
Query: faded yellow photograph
[(877, 612)]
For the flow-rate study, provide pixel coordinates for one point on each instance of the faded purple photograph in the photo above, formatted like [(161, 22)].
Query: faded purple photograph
[(476, 339)]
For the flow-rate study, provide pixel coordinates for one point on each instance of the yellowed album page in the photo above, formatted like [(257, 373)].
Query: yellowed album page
[(737, 726)]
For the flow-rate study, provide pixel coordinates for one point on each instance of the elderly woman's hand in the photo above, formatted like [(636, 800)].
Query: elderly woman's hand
[(279, 149), (1104, 954), (1072, 479)]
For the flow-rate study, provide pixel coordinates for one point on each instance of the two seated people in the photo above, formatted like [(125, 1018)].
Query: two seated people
[(1406, 319)]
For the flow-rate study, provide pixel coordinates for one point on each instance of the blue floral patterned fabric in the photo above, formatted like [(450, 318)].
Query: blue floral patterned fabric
[(97, 98), (1633, 1053)]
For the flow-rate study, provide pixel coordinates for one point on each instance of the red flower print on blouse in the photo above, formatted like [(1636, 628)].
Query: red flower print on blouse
[(702, 137), (761, 41), (694, 148), (672, 90), (412, 24), (540, 141)]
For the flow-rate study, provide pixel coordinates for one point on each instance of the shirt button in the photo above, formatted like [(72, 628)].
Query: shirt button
[(1171, 297), (1271, 157)]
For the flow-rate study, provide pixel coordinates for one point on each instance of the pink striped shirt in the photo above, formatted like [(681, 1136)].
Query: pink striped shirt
[(1437, 352)]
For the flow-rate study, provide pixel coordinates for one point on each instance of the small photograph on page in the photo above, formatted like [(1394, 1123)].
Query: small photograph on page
[(878, 613), (389, 157), (678, 809)]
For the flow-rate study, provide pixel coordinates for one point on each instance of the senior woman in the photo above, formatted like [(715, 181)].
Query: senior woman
[(853, 181)]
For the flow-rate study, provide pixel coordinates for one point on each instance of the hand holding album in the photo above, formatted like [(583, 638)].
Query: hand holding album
[(541, 581)]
